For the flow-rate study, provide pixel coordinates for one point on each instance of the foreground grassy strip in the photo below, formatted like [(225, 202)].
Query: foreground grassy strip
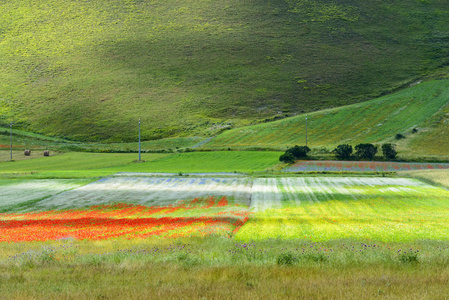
[(217, 267), (320, 209)]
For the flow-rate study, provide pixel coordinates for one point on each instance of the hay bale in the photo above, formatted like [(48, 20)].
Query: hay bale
[(27, 152), (46, 153)]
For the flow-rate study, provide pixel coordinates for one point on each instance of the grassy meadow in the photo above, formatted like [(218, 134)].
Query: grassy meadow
[(84, 165), (68, 68), (415, 107)]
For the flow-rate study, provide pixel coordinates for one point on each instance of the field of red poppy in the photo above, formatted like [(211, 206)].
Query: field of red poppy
[(198, 217)]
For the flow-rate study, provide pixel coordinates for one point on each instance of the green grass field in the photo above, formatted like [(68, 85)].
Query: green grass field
[(221, 161), (85, 165), (74, 164), (374, 121), (68, 68)]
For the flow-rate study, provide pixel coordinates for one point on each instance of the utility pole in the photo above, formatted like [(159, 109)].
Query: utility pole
[(10, 134), (139, 139), (306, 130)]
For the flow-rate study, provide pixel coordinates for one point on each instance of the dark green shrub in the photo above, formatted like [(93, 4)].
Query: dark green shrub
[(399, 136), (287, 157), (286, 259), (343, 151), (299, 151), (389, 151), (365, 151), (408, 258)]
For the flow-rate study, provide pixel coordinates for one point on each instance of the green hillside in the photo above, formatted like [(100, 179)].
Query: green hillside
[(423, 107), (88, 70)]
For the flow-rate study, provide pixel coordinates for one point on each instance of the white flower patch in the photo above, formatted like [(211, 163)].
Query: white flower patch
[(150, 191), (14, 192)]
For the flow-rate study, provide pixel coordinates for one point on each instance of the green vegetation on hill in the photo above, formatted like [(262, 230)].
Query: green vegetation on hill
[(374, 121), (88, 70)]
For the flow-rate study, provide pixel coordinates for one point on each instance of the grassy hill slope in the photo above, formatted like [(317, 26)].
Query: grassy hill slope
[(88, 70), (423, 107)]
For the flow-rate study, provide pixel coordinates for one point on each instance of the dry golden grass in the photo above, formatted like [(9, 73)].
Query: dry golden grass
[(99, 270), (439, 177), (171, 281)]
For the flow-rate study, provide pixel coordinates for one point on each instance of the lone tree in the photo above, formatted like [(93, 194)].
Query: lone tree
[(343, 152), (299, 151), (287, 158), (365, 151), (296, 152), (389, 151)]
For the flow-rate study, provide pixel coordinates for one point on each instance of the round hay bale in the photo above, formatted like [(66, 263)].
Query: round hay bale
[(27, 152), (46, 153)]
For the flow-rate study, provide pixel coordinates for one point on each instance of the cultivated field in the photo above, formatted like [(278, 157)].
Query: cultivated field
[(360, 166), (326, 208), (311, 208), (149, 191), (266, 237)]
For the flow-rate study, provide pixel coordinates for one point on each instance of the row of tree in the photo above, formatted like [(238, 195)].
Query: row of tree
[(364, 151)]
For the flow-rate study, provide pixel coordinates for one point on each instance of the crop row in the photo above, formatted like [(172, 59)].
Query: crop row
[(315, 208), (210, 216), (361, 166), (321, 209)]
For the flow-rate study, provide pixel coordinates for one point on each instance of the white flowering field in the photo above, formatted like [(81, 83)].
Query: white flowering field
[(150, 191)]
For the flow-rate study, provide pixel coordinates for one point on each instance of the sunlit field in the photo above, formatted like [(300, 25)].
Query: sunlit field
[(223, 237), (322, 209)]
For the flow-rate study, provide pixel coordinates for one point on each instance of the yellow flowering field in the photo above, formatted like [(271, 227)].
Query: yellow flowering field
[(325, 208)]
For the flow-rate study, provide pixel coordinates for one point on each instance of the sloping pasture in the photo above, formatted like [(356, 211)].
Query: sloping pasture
[(326, 208), (374, 121)]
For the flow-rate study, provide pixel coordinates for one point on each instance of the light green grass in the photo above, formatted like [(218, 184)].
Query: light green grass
[(81, 165), (74, 165), (221, 161)]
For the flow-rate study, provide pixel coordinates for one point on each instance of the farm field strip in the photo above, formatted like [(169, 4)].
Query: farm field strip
[(325, 208), (149, 191), (210, 216), (271, 193), (315, 208), (361, 166), (18, 191)]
